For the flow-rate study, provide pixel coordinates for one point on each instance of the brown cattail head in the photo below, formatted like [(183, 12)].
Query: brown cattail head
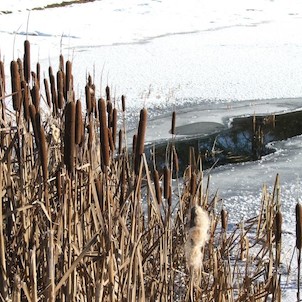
[(47, 92), (298, 226), (123, 103), (61, 62), (16, 85), (60, 88), (278, 225), (69, 136), (25, 98), (110, 113), (104, 132), (173, 122), (90, 130), (140, 144), (120, 142), (54, 97), (69, 80), (88, 99), (134, 142), (38, 71), (79, 124), (26, 61), (35, 96), (158, 192), (20, 68), (167, 182), (108, 93), (224, 219)]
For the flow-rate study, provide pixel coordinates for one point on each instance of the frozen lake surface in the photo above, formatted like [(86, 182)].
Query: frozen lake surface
[(208, 60)]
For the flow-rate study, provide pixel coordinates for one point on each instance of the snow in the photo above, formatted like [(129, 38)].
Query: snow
[(208, 60)]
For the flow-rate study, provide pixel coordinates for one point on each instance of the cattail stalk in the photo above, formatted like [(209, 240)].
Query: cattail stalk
[(299, 243), (35, 95), (140, 144), (167, 182)]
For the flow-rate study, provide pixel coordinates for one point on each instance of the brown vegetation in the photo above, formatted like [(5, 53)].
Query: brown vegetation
[(86, 223)]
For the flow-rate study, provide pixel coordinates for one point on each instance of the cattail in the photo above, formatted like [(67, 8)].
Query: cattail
[(35, 95), (120, 142), (278, 224), (79, 131), (134, 142), (108, 93), (59, 183), (61, 62), (123, 103), (173, 122), (157, 187), (69, 136), (68, 83), (16, 85), (140, 144), (90, 134), (43, 154), (109, 113), (88, 99), (47, 92), (224, 219), (26, 60), (60, 88), (197, 237), (104, 132), (298, 226), (192, 159), (53, 91), (38, 71), (20, 69), (167, 182), (25, 97)]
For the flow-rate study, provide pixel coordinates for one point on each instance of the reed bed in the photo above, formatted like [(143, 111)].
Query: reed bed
[(83, 221)]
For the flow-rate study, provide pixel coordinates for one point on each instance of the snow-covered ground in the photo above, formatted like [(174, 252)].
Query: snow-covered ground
[(208, 60)]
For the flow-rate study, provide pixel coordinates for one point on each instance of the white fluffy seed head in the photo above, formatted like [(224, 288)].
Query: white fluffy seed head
[(197, 236)]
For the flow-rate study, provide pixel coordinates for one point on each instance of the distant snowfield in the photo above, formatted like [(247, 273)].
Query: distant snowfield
[(209, 60)]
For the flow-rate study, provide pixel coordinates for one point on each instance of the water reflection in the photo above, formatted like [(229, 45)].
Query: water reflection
[(245, 140)]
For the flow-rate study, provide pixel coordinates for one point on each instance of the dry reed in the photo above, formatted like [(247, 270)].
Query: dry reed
[(140, 144), (71, 231)]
